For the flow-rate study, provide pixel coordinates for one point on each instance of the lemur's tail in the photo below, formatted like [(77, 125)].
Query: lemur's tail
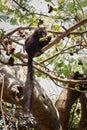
[(29, 86)]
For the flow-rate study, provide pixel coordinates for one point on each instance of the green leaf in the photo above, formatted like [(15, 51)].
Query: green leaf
[(48, 0), (13, 21), (61, 1), (10, 11), (70, 7), (56, 27), (84, 3)]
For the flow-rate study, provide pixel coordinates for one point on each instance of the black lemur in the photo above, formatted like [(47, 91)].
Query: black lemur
[(33, 44)]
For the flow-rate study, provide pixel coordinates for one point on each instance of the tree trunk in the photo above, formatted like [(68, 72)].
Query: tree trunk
[(42, 108), (64, 104), (83, 120)]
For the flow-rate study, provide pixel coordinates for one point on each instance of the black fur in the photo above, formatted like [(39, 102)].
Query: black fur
[(32, 45)]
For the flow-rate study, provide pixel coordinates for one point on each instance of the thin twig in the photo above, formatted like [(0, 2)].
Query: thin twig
[(70, 88), (58, 53), (2, 88), (72, 33), (28, 10)]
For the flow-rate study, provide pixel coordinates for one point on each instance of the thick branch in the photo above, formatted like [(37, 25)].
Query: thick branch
[(64, 105), (67, 32), (42, 107)]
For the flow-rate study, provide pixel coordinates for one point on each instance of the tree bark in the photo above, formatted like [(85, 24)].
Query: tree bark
[(64, 104), (83, 120), (42, 107)]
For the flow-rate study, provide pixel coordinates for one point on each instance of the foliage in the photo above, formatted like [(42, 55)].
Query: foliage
[(69, 54), (64, 58), (15, 119), (75, 115)]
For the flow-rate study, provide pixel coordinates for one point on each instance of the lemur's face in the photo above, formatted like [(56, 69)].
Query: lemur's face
[(41, 32)]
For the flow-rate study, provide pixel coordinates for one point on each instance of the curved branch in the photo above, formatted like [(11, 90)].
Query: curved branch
[(72, 81)]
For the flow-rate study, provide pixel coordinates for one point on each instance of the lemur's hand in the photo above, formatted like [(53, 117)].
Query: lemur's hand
[(49, 38)]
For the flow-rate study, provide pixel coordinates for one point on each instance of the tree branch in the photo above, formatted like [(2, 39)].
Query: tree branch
[(59, 52), (71, 81), (28, 10), (57, 40)]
